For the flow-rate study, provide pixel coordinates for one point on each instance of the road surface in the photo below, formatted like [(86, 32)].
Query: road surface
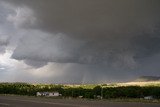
[(22, 101)]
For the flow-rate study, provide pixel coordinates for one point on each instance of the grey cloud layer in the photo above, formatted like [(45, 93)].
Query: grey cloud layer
[(116, 36), (105, 27)]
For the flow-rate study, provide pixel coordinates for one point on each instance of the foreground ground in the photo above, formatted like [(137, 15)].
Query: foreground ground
[(22, 101)]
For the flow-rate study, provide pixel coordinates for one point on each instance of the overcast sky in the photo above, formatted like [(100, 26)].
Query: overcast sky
[(79, 41)]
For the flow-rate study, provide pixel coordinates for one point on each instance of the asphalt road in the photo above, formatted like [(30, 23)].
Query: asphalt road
[(21, 101)]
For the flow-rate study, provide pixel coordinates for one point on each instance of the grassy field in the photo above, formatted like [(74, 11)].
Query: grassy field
[(151, 83), (91, 86)]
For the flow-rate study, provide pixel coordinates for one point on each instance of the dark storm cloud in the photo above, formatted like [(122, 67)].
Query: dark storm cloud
[(107, 29), (107, 36), (91, 18), (146, 46)]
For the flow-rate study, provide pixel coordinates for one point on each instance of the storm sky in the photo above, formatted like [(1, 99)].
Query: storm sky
[(79, 41)]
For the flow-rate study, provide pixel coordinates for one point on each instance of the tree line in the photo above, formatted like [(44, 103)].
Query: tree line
[(75, 92)]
